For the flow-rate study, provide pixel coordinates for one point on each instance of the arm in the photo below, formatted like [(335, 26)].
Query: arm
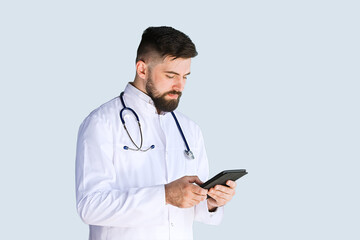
[(99, 200)]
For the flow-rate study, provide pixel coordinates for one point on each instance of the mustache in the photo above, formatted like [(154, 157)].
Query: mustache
[(173, 92)]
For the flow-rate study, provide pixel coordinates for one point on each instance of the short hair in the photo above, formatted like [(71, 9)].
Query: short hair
[(165, 41)]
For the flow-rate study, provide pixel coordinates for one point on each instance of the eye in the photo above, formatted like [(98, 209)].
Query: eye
[(170, 76)]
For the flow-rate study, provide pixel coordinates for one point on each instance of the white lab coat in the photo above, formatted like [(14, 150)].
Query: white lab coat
[(120, 193)]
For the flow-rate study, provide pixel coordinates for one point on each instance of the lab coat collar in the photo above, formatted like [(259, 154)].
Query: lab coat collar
[(146, 99)]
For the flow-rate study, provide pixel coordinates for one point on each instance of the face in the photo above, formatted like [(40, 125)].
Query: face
[(166, 81)]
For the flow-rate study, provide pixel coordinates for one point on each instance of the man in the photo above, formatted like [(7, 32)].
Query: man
[(133, 181)]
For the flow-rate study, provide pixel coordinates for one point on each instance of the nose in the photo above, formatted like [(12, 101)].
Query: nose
[(179, 84)]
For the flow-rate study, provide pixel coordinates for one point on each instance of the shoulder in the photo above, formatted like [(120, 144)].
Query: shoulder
[(105, 113)]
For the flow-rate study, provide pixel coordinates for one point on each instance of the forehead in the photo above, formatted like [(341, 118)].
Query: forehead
[(179, 65)]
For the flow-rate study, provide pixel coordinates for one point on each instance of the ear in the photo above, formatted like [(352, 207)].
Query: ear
[(141, 69)]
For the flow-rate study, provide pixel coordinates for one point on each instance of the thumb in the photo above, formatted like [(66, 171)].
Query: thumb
[(194, 179)]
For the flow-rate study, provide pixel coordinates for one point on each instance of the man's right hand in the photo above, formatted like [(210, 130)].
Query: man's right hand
[(183, 193)]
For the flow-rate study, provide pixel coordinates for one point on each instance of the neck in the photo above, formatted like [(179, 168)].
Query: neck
[(139, 84)]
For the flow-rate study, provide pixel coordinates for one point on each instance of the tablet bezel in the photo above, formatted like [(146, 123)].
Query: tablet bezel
[(222, 177)]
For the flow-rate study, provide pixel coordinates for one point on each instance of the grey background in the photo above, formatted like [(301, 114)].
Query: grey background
[(275, 89)]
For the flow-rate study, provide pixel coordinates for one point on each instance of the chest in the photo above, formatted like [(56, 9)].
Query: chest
[(162, 164)]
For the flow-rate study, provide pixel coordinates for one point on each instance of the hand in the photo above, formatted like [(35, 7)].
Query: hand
[(183, 193), (220, 195)]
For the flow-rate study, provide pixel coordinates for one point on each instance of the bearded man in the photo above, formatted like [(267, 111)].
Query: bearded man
[(139, 163)]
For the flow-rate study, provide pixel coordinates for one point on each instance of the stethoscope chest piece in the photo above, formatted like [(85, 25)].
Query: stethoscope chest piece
[(189, 154)]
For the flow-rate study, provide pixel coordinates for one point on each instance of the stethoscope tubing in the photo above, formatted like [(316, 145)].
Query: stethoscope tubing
[(181, 132), (188, 152)]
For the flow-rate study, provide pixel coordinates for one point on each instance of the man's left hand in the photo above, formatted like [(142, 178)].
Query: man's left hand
[(220, 195)]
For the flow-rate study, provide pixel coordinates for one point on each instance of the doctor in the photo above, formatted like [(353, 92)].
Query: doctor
[(138, 163)]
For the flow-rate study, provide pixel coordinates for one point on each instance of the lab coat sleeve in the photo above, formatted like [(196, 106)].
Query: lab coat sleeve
[(202, 213), (99, 199)]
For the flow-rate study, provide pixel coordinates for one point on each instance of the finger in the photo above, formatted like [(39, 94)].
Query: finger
[(199, 198), (196, 199), (194, 202), (219, 196), (224, 189), (219, 201), (198, 190), (194, 179), (231, 184)]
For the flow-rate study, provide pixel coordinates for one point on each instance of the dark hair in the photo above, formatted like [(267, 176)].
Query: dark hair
[(165, 41)]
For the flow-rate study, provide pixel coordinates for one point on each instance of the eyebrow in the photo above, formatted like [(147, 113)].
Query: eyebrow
[(171, 72)]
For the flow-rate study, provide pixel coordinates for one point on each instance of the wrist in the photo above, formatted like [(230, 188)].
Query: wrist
[(211, 207)]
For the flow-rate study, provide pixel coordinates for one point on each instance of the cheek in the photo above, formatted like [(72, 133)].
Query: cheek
[(162, 84), (158, 79)]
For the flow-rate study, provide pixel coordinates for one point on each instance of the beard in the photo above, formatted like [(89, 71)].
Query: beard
[(160, 102)]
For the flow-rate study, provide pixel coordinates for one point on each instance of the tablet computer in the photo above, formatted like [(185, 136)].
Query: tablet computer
[(222, 177)]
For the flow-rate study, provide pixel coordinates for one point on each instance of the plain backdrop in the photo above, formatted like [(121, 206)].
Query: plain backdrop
[(275, 89)]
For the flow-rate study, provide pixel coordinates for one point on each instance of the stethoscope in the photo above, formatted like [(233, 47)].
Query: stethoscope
[(188, 152)]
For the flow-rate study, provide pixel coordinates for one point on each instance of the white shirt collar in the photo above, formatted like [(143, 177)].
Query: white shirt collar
[(146, 100)]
